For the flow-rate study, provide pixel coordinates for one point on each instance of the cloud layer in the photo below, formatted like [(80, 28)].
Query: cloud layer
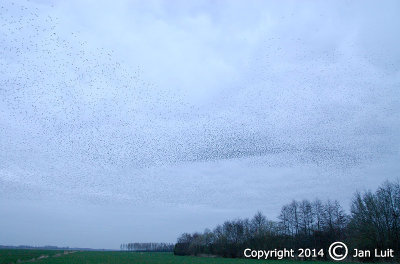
[(196, 104)]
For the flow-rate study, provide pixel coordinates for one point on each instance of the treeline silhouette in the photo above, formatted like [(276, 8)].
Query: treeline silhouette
[(373, 223), (154, 247)]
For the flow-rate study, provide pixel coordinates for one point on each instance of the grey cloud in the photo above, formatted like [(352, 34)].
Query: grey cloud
[(196, 104)]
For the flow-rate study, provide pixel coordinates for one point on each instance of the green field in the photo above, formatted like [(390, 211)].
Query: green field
[(114, 257), (13, 255)]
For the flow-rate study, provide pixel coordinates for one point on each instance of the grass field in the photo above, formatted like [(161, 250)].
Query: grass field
[(13, 255), (116, 257)]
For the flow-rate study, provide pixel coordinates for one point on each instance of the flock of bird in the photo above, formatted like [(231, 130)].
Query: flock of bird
[(89, 102), (74, 104)]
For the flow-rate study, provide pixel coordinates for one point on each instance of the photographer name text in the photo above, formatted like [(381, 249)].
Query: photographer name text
[(337, 251)]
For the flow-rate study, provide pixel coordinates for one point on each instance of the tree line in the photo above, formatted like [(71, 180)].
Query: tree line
[(373, 223), (154, 247)]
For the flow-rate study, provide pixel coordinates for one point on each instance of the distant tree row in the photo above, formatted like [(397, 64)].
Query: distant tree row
[(373, 223), (158, 247)]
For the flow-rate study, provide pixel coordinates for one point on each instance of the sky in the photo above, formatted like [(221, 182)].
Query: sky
[(137, 121)]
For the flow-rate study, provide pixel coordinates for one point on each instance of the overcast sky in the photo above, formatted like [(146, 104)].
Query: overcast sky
[(136, 121)]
